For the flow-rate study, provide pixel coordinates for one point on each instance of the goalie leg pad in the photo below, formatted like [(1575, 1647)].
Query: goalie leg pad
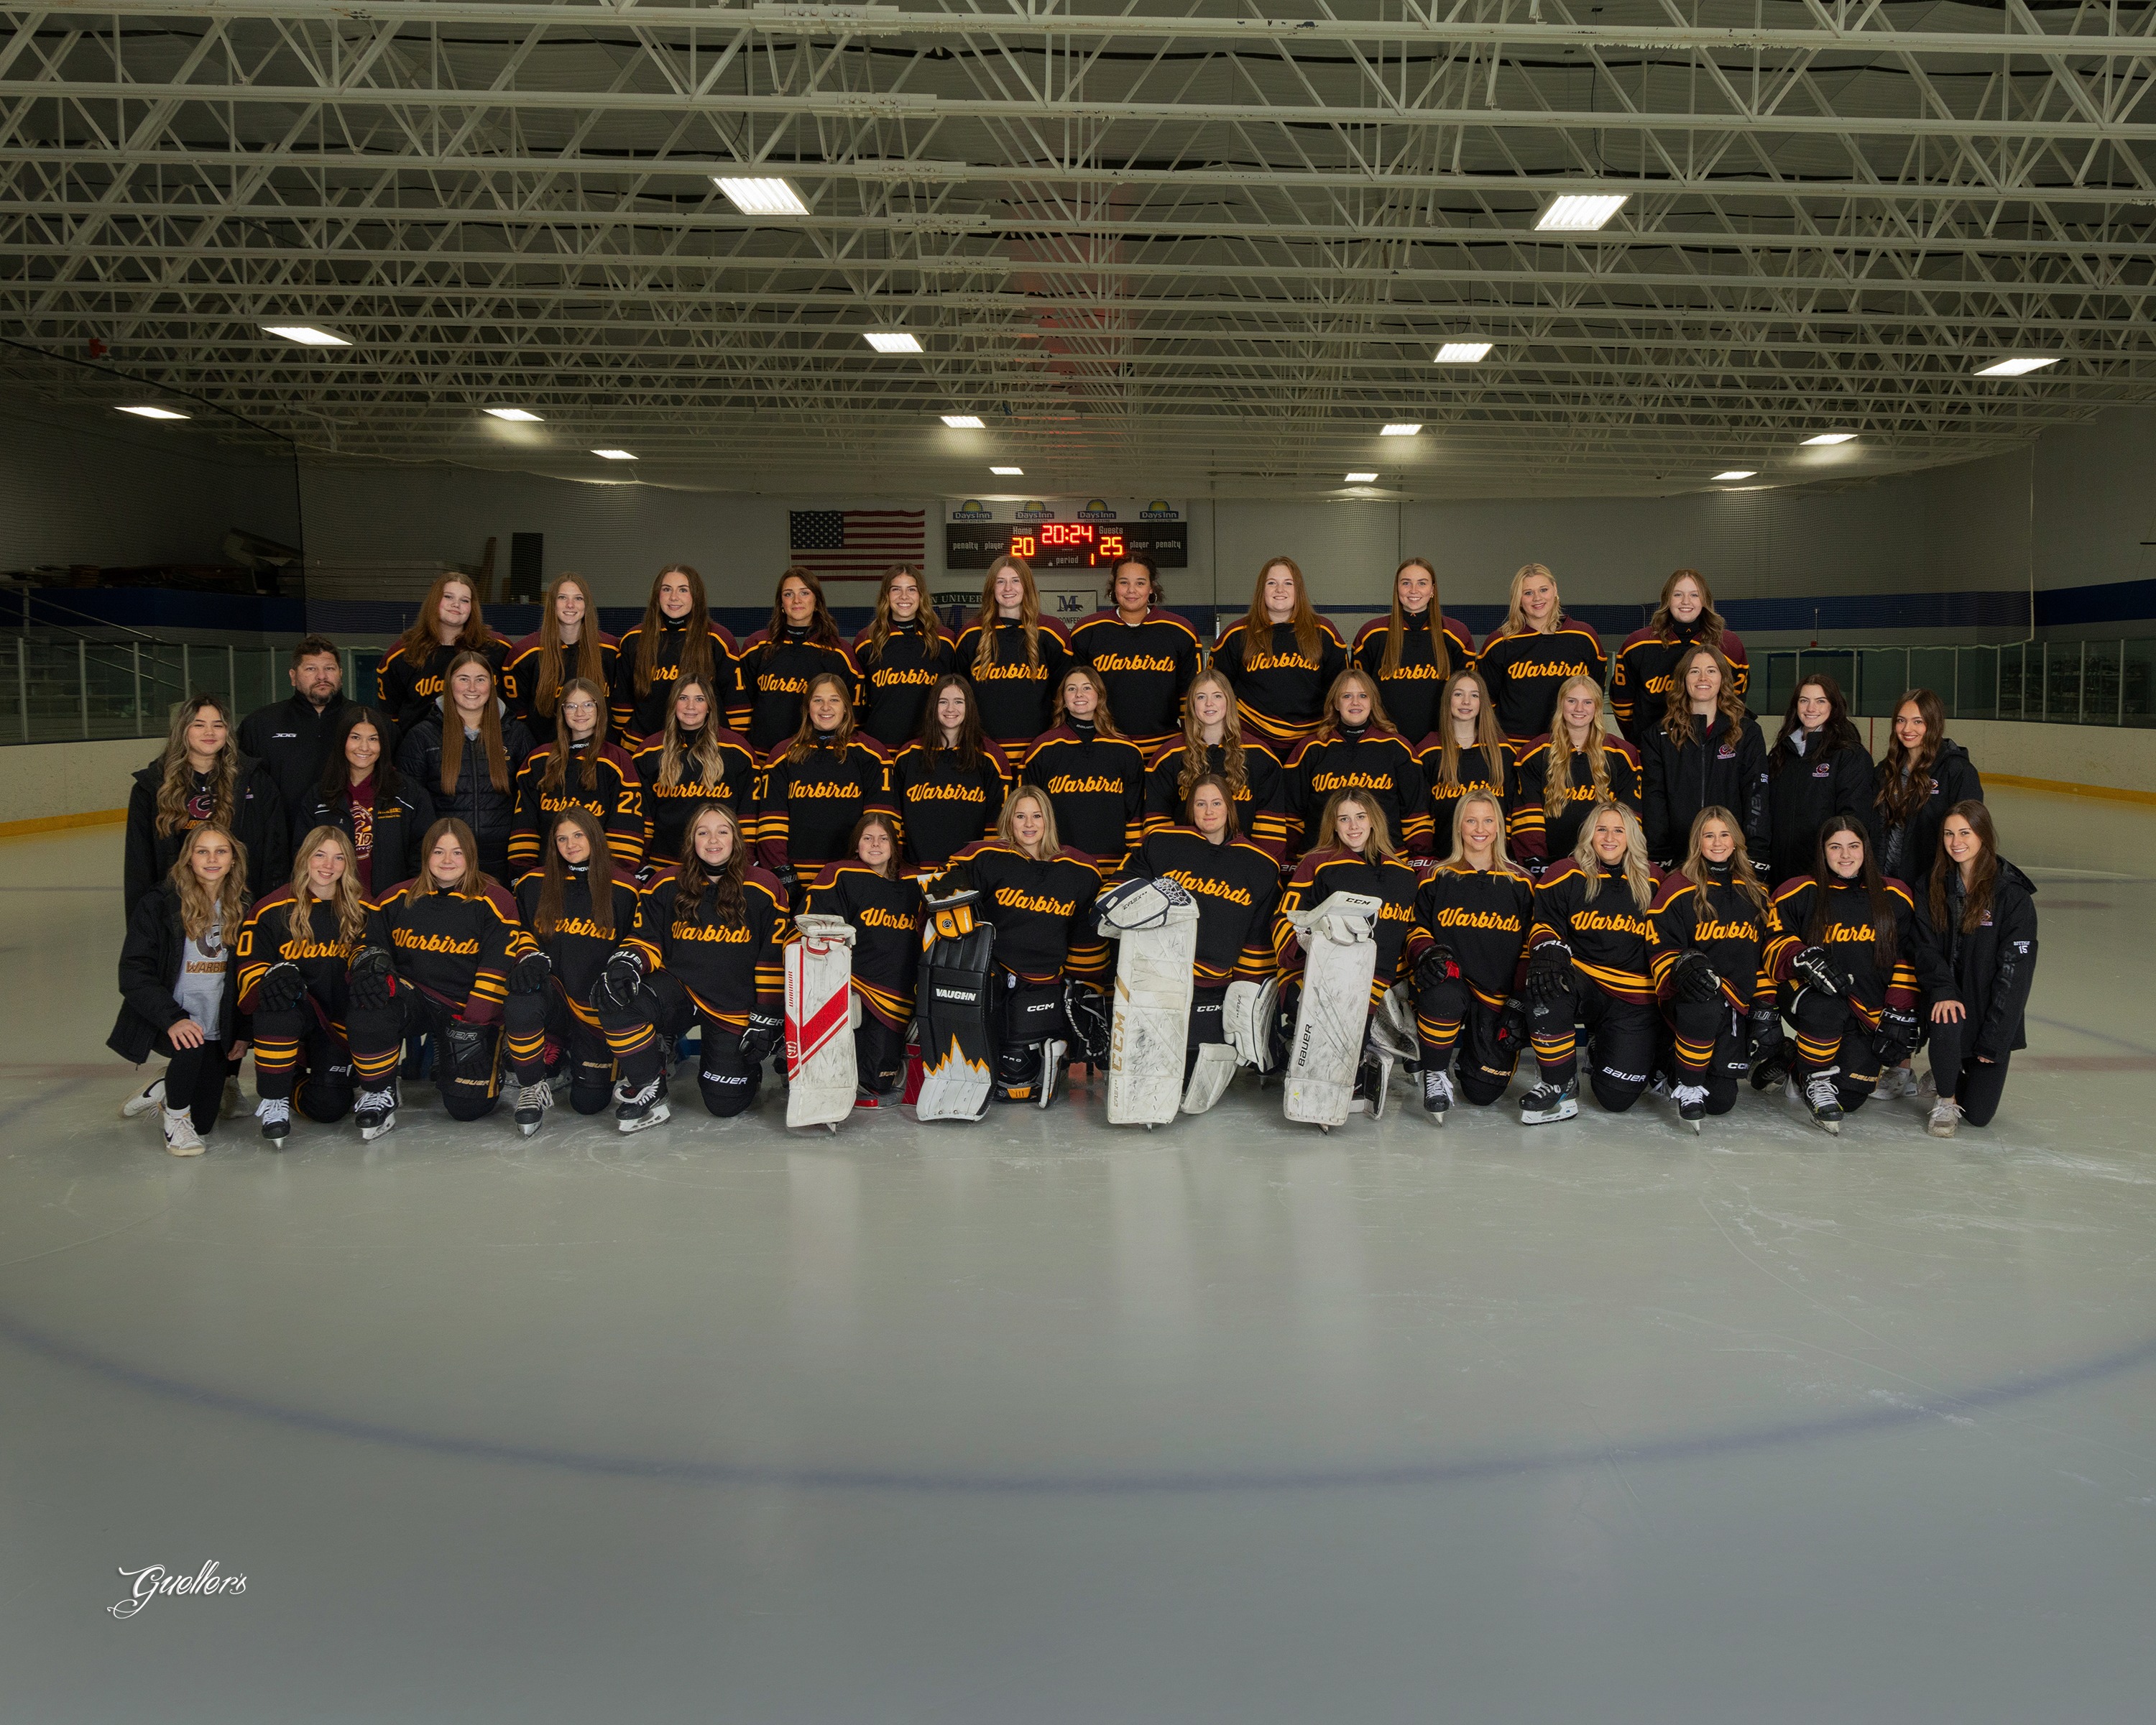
[(1155, 975), (819, 1002), (952, 1024), (1326, 1047), (1212, 1065), (1249, 1013)]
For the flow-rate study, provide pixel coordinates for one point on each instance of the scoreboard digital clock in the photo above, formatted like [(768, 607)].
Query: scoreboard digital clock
[(1064, 545)]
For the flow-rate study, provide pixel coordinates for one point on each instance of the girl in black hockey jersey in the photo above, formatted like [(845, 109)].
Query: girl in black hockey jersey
[(1470, 937), (1705, 752), (579, 769), (1714, 922), (900, 655), (676, 638), (779, 661), (202, 776), (1237, 885), (568, 642), (950, 783), (579, 909), (1533, 652), (1146, 657), (1014, 657), (448, 940), (1976, 959), (1817, 769), (1468, 752), (1565, 775), (179, 986), (811, 790), (1281, 659), (1414, 653), (694, 760), (293, 954), (885, 907), (1589, 974), (384, 813), (1924, 773), (415, 672), (1846, 959), (1094, 775), (716, 923), (1352, 853), (1038, 895), (1646, 668), (1357, 747), (1213, 741)]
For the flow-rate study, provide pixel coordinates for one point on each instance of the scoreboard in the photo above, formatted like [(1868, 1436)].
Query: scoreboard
[(1064, 545)]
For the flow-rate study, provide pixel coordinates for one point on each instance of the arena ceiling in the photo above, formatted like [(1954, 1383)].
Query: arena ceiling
[(1204, 248)]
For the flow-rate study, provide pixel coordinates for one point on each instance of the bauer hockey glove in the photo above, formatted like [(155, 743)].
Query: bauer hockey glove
[(620, 981), (1693, 977), (760, 1037), (1438, 964), (1549, 971), (372, 981), (282, 987)]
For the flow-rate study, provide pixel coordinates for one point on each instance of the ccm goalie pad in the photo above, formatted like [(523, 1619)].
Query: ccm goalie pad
[(1246, 1017), (819, 1043), (1155, 925), (951, 1023), (1339, 958)]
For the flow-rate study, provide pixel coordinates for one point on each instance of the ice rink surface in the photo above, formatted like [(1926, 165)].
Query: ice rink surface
[(1038, 1420)]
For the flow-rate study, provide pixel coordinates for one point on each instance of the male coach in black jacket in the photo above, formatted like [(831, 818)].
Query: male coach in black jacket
[(291, 736)]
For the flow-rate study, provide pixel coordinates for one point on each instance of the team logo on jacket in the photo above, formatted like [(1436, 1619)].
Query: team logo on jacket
[(1426, 672), (689, 787), (945, 793), (770, 685), (1348, 780), (1710, 930), (1009, 672), (1133, 662), (327, 949), (1824, 769), (1526, 669), (1846, 935), (1728, 751), (584, 926), (894, 679), (818, 788), (1659, 685), (711, 931), (1397, 913), (1607, 924), (1021, 899), (1277, 661)]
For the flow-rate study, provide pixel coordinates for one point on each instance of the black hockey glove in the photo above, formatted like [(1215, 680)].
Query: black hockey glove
[(282, 987), (529, 974), (1816, 968), (790, 879), (1439, 964), (1770, 1066), (1895, 1039), (1549, 971), (371, 980), (1764, 872), (1514, 1028), (761, 1037), (619, 982), (1692, 977)]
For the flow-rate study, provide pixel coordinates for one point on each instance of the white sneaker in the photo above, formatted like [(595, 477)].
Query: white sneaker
[(151, 1095), (1896, 1082), (181, 1137), (1946, 1116), (1927, 1087), (232, 1101)]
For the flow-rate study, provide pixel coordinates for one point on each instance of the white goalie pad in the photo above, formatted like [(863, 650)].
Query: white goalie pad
[(1247, 1020), (819, 1019), (1209, 1078), (1155, 926), (1340, 956)]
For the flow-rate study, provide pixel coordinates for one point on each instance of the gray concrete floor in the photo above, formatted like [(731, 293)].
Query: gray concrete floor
[(1036, 1420)]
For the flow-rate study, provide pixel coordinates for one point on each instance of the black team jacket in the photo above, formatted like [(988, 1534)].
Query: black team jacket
[(1538, 837), (668, 809), (1646, 667), (1413, 693), (149, 959), (1845, 930), (492, 814), (1380, 763), (386, 833), (291, 738), (1613, 941), (805, 809), (259, 822), (1261, 812), (1910, 850), (732, 966), (897, 681), (1237, 885), (406, 686), (1727, 768), (1496, 771), (1016, 699), (1483, 916), (1805, 791), (1525, 672), (614, 799), (1042, 911), (1990, 968), (1280, 692), (1147, 667), (321, 954), (1716, 918), (520, 681), (456, 948), (1096, 786), (630, 715), (578, 949), (942, 807), (775, 674)]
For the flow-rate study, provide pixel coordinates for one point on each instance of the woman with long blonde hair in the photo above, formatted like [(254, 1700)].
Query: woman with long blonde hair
[(202, 776), (694, 760), (1471, 917), (1414, 651), (1212, 743), (1280, 657), (414, 671), (1565, 775), (1356, 744), (568, 642), (1534, 651), (1468, 752), (1013, 657), (900, 655)]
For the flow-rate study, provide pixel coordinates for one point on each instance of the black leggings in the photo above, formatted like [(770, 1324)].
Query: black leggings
[(1964, 1078), (195, 1079), (1621, 1035)]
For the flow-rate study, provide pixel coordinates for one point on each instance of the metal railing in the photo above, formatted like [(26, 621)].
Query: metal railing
[(2105, 682), (65, 687)]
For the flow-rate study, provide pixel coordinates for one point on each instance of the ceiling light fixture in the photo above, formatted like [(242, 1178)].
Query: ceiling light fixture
[(1009, 472), (2018, 367), (154, 413), (523, 416), (1463, 353), (1579, 212), (1362, 479), (761, 195), (307, 335), (614, 455), (1402, 428), (1832, 437), (1738, 473), (892, 341), (964, 422)]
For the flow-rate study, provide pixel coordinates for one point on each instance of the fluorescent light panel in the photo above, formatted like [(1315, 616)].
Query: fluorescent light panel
[(1462, 353), (1009, 472), (1362, 479), (1738, 473), (1401, 429), (523, 416), (1579, 212), (761, 195), (963, 422), (1832, 437), (154, 413), (892, 341), (614, 455), (307, 335), (2019, 367)]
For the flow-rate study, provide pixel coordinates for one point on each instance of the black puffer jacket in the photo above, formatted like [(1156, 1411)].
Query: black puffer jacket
[(1728, 771), (1908, 851), (402, 814), (490, 813), (1991, 968), (150, 968), (1805, 791), (259, 821)]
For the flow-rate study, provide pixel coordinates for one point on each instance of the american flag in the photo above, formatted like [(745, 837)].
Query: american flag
[(857, 542)]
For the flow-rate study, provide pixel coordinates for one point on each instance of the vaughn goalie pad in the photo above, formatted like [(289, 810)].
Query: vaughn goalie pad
[(1155, 924), (952, 1004), (819, 1022), (1339, 959)]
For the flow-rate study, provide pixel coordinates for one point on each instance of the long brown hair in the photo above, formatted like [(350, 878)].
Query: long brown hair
[(198, 911), (875, 818), (881, 624), (1742, 874), (1875, 891), (1983, 877), (1380, 842), (473, 880), (693, 879), (1379, 725), (555, 881), (1557, 777), (1195, 766), (591, 659), (1396, 626), (1837, 733), (1487, 736), (1676, 715), (351, 907), (1303, 619), (973, 741), (177, 782), (1515, 621), (1028, 614), (1104, 720), (823, 628), (558, 755), (498, 769), (806, 741), (474, 637), (1710, 620), (1904, 777), (678, 747), (1227, 792), (696, 654)]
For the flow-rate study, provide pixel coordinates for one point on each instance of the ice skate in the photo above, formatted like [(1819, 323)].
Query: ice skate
[(374, 1113), (1547, 1103), (533, 1102), (1436, 1095), (642, 1109), (1692, 1104), (276, 1118), (1824, 1102)]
